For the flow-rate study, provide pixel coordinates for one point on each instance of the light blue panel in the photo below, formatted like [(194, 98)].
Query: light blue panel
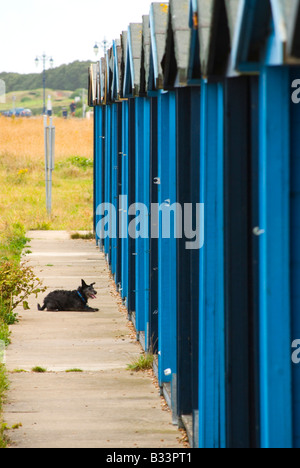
[(295, 252), (146, 197), (107, 171), (274, 259), (220, 300), (212, 339), (99, 139), (124, 206), (274, 47), (97, 173), (167, 252), (114, 182), (139, 197)]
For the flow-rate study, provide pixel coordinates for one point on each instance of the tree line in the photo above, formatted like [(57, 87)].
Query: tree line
[(66, 78)]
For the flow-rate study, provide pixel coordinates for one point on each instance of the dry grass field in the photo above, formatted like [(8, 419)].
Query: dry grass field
[(22, 174)]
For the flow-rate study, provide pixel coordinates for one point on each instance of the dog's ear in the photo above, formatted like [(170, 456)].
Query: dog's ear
[(93, 284), (83, 284)]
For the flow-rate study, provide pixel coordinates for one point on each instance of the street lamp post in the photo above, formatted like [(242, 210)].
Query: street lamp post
[(44, 60), (103, 44)]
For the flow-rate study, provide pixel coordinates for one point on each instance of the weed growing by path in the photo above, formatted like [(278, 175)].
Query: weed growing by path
[(144, 362), (39, 370), (16, 426), (88, 236)]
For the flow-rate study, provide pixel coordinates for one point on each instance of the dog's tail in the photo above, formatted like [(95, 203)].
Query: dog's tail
[(41, 308)]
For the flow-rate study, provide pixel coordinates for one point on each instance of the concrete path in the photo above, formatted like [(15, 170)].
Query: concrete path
[(105, 405)]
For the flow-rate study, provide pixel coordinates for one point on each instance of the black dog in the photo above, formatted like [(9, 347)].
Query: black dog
[(75, 301)]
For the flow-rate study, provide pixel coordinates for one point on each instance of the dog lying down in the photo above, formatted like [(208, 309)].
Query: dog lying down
[(70, 301)]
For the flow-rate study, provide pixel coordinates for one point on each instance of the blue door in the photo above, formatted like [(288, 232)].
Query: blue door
[(295, 247)]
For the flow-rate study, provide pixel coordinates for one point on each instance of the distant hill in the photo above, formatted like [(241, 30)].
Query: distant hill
[(66, 77)]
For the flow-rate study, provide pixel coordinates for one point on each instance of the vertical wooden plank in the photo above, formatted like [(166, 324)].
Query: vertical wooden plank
[(103, 163), (194, 246), (212, 342), (108, 143), (119, 192), (253, 255), (97, 168), (184, 306), (167, 291), (139, 190), (236, 238), (146, 197), (295, 252), (124, 202), (153, 264), (114, 182), (220, 262), (131, 200), (274, 230)]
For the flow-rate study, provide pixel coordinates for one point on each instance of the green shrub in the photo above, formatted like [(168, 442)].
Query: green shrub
[(17, 283), (81, 162), (12, 243), (78, 93), (78, 112), (76, 161)]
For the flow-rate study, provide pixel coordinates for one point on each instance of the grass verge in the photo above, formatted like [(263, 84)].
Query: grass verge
[(3, 389), (12, 243)]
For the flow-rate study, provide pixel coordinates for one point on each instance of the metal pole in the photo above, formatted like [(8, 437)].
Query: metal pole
[(46, 158), (49, 135), (14, 104), (50, 164), (44, 82), (83, 104)]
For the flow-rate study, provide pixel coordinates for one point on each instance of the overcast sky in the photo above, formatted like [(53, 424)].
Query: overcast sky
[(64, 29)]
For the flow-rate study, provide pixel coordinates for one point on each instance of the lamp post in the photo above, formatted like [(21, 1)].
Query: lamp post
[(44, 60), (103, 44)]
